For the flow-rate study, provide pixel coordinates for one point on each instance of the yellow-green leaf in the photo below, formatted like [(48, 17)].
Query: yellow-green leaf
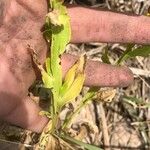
[(74, 90), (69, 78), (73, 72), (47, 79), (47, 64)]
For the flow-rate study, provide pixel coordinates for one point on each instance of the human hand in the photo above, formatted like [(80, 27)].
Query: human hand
[(20, 26)]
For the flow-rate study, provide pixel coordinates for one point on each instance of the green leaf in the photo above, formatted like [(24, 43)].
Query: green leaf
[(123, 56), (89, 96), (82, 144), (105, 57), (58, 33), (143, 51), (136, 102), (61, 34), (65, 33), (133, 99)]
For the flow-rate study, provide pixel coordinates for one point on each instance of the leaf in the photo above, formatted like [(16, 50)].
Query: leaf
[(58, 25), (78, 67), (47, 79), (136, 102), (133, 99), (84, 101), (105, 57), (73, 91), (64, 145), (82, 144), (61, 34), (73, 82), (48, 66), (69, 78), (65, 20), (123, 56), (143, 51)]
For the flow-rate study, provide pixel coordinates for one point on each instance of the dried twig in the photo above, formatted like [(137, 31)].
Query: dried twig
[(137, 71), (104, 127)]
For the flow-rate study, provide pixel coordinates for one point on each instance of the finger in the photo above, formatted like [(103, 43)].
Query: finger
[(99, 74), (91, 25), (26, 115)]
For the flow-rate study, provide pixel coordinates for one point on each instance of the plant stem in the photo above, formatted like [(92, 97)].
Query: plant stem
[(122, 58), (44, 138), (54, 122), (88, 97)]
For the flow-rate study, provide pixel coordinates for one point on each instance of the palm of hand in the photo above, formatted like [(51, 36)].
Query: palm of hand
[(20, 27)]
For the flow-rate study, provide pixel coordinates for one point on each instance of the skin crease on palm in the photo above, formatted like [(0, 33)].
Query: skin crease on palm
[(21, 22)]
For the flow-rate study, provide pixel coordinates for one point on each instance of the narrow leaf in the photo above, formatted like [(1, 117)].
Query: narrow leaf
[(123, 56), (84, 101), (47, 64), (136, 102), (143, 51), (105, 57), (133, 99), (82, 144)]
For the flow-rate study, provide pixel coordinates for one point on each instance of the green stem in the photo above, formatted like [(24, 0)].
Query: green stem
[(54, 122), (123, 57), (88, 97)]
